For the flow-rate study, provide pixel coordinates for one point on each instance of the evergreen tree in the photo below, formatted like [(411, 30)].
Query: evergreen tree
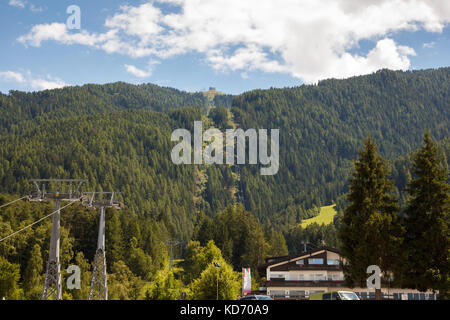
[(277, 244), (32, 278), (165, 287), (123, 284), (204, 230), (197, 259), (427, 240), (370, 233), (83, 264), (215, 282), (9, 278), (206, 286)]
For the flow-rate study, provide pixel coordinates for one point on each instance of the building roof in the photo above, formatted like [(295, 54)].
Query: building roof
[(276, 260)]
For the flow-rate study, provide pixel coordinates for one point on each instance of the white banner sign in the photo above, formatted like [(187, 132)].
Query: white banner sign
[(246, 281)]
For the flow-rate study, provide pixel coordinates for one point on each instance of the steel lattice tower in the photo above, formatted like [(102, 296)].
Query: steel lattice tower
[(99, 282), (99, 286), (52, 282)]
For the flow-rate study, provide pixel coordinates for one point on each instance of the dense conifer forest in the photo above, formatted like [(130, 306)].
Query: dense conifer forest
[(118, 137)]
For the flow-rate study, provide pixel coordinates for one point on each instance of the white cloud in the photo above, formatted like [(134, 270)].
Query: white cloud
[(22, 4), (33, 8), (59, 32), (11, 76), (308, 39), (17, 3), (139, 73), (428, 45), (27, 80), (47, 84)]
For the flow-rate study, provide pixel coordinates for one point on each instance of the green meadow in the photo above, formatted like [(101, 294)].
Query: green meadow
[(325, 216)]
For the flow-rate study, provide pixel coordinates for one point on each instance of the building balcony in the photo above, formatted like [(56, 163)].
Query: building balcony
[(300, 267), (280, 282)]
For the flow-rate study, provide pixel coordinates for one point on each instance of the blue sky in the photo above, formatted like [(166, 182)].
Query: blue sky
[(235, 47)]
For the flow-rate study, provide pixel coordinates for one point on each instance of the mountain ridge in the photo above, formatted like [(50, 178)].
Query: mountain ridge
[(126, 146)]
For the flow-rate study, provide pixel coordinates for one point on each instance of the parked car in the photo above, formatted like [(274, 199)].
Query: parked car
[(334, 295), (255, 297)]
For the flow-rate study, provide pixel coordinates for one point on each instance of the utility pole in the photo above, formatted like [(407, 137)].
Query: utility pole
[(99, 284), (217, 265), (52, 282), (304, 246), (172, 243)]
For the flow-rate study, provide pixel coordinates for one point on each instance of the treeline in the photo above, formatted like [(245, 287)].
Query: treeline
[(135, 249), (411, 246), (17, 107), (205, 275), (115, 136), (322, 126), (118, 137), (127, 151), (402, 170), (223, 100), (137, 256), (245, 242)]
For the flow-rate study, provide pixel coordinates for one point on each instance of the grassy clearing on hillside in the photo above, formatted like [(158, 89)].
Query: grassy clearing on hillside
[(325, 216)]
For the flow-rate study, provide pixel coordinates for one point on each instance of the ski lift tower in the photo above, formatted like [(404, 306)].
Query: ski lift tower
[(99, 288), (56, 190)]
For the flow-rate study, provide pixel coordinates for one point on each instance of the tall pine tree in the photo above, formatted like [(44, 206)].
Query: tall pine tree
[(427, 239), (32, 279), (370, 233)]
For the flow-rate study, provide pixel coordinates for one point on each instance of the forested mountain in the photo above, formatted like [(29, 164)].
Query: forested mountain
[(115, 136), (322, 126), (118, 136), (17, 107), (127, 151)]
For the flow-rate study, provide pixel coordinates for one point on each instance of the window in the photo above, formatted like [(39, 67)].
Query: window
[(301, 277), (333, 262), (301, 262), (337, 277), (278, 293), (315, 261), (348, 296), (319, 277), (326, 296), (297, 293)]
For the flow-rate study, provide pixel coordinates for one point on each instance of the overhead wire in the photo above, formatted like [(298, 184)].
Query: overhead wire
[(37, 221), (7, 204)]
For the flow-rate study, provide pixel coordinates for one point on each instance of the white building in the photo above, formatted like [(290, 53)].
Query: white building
[(319, 271)]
